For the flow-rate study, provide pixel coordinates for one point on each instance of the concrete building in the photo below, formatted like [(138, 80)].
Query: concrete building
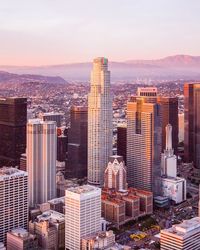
[(99, 122), (115, 174), (172, 186), (82, 214), (122, 207), (21, 239), (50, 230), (147, 92), (184, 236), (13, 118), (2, 246), (22, 164), (13, 200), (52, 116), (41, 160), (143, 145)]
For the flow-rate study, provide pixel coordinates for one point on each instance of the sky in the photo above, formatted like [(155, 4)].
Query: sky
[(45, 32)]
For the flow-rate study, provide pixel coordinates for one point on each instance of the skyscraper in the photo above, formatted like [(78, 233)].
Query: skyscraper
[(122, 140), (99, 121), (192, 123), (13, 117), (13, 200), (143, 144), (77, 143), (82, 214), (115, 174), (41, 160)]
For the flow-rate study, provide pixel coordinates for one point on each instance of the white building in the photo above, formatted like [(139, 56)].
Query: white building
[(184, 236), (82, 214), (172, 186), (13, 200), (147, 91), (41, 160), (115, 174), (99, 121)]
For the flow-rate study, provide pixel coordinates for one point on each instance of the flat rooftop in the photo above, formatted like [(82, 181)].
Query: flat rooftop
[(52, 216), (9, 172), (187, 226), (83, 189)]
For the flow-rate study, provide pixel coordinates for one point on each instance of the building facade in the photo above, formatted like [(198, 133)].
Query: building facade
[(77, 143), (122, 140), (82, 214), (13, 118), (41, 160), (143, 145), (99, 122), (13, 200)]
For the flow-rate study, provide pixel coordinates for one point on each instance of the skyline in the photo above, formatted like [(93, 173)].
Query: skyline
[(46, 32)]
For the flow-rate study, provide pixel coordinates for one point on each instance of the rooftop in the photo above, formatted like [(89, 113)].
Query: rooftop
[(187, 226), (9, 173), (39, 121), (22, 233), (83, 189), (51, 216)]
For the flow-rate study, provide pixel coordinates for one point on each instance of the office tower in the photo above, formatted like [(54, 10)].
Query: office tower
[(76, 166), (192, 123), (169, 113), (115, 174), (21, 239), (13, 200), (184, 236), (172, 186), (82, 214), (99, 121), (168, 159), (122, 140), (147, 92), (49, 227), (13, 117), (41, 160), (143, 145), (22, 163), (52, 116)]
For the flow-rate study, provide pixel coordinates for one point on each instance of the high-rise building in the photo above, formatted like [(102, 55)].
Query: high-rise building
[(41, 160), (122, 140), (115, 174), (82, 214), (169, 113), (184, 236), (52, 116), (77, 143), (147, 92), (13, 200), (13, 118), (143, 144), (21, 239), (99, 121), (192, 123)]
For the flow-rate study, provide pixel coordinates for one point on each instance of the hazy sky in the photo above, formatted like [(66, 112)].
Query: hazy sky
[(36, 32)]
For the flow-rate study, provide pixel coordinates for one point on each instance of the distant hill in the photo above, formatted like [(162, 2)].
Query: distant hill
[(172, 67), (6, 77)]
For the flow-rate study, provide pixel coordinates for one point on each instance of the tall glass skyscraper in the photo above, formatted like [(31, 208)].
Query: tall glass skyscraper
[(99, 121)]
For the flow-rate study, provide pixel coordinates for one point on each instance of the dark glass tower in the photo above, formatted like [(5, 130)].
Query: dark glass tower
[(169, 113), (13, 118), (77, 143), (192, 123), (122, 140)]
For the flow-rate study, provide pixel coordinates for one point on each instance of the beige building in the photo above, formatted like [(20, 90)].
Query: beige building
[(13, 200), (143, 144), (21, 239), (82, 214), (50, 229), (41, 160), (99, 121), (184, 236)]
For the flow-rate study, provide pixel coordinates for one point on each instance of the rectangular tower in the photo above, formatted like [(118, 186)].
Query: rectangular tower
[(77, 143), (82, 214), (13, 200), (99, 121), (13, 118), (41, 160), (122, 140), (143, 145)]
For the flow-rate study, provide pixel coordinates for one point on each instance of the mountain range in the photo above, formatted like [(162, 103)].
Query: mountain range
[(171, 68)]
